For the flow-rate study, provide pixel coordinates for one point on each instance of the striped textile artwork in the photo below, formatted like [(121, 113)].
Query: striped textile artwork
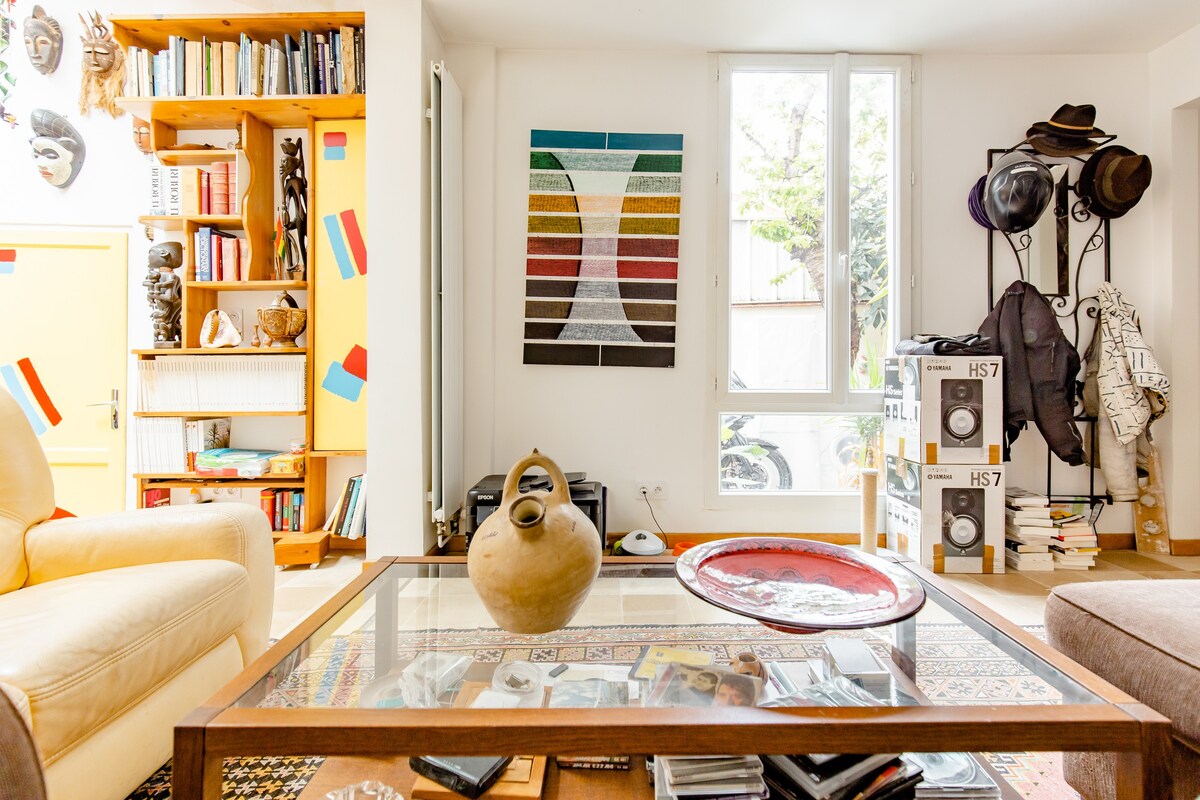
[(602, 255)]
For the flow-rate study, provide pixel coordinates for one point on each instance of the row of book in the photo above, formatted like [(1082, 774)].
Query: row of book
[(194, 190), (1041, 536), (349, 515), (188, 384), (284, 508), (170, 444), (220, 255), (327, 62)]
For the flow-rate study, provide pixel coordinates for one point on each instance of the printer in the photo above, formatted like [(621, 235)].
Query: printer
[(484, 498)]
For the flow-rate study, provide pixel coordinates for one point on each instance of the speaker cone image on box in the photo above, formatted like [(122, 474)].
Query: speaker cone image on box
[(962, 412), (962, 523)]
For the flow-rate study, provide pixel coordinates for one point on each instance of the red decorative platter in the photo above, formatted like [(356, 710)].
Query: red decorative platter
[(800, 586)]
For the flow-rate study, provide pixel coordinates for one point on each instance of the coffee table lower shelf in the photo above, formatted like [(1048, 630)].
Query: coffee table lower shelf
[(561, 784)]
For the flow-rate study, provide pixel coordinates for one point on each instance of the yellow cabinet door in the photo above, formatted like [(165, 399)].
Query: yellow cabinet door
[(63, 352), (338, 335)]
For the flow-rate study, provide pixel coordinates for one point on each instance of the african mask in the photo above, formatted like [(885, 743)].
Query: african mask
[(141, 134), (58, 149), (103, 68), (43, 41)]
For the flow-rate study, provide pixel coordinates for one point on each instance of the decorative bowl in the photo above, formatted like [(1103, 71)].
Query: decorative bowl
[(283, 324), (800, 586)]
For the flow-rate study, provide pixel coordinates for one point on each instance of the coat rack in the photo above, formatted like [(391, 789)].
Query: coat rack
[(1069, 303)]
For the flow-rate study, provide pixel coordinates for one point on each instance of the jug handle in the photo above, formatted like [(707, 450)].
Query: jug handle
[(561, 492)]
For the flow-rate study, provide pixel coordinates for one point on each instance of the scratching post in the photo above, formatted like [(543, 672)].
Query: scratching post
[(869, 526)]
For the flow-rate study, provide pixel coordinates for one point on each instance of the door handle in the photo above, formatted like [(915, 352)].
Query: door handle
[(114, 407)]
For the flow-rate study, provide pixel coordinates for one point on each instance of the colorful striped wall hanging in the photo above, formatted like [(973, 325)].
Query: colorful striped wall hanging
[(602, 253)]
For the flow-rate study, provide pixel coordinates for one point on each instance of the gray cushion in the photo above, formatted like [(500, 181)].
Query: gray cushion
[(1140, 636)]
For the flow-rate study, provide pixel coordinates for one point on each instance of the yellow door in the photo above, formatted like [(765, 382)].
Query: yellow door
[(63, 327)]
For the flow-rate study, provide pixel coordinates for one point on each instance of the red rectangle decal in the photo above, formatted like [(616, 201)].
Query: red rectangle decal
[(8, 255), (334, 139)]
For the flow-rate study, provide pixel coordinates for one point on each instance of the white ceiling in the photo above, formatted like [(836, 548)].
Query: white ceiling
[(817, 26)]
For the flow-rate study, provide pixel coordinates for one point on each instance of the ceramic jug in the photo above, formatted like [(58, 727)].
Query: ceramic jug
[(534, 559)]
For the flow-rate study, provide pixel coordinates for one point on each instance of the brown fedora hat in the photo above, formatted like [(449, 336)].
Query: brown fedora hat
[(1067, 132), (1113, 181)]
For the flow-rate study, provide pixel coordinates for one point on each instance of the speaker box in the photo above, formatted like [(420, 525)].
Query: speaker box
[(943, 409), (949, 517)]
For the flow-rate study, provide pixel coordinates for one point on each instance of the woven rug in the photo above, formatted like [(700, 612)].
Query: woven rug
[(955, 667)]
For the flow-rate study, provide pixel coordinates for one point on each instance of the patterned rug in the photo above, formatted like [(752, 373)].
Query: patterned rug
[(955, 666)]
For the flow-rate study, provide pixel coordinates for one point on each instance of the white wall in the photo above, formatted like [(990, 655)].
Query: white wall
[(397, 303), (626, 425), (1174, 322)]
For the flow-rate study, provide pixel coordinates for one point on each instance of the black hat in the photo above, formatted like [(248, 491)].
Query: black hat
[(1068, 132), (1019, 187), (1113, 181)]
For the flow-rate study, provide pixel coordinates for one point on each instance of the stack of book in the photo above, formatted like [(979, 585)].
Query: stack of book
[(349, 515), (225, 383), (733, 777), (1073, 543), (956, 775), (328, 62), (284, 508), (1028, 530), (220, 256), (194, 190)]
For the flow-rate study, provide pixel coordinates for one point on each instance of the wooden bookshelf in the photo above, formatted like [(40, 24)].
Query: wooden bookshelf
[(153, 32), (178, 222), (221, 351), (193, 157), (246, 286), (254, 120), (226, 111), (213, 414)]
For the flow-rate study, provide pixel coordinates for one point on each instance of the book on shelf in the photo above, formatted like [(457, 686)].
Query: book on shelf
[(307, 62), (1038, 517), (284, 509), (153, 498), (348, 517), (170, 444), (593, 762), (1017, 546), (210, 189), (1017, 497), (1029, 562), (232, 383)]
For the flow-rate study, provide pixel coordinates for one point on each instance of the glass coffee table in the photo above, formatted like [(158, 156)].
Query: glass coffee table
[(344, 685)]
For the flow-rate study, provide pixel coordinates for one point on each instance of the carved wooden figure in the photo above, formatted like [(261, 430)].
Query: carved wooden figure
[(164, 292), (293, 255)]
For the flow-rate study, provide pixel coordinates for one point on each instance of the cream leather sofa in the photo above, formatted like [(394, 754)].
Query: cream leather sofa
[(114, 627)]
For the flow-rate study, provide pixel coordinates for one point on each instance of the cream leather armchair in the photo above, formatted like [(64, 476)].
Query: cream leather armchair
[(113, 627)]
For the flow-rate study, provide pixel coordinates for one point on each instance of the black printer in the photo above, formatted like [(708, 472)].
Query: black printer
[(484, 498)]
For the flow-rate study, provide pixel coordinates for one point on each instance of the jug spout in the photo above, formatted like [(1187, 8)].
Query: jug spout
[(528, 515)]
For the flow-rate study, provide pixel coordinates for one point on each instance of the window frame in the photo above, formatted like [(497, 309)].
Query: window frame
[(838, 398)]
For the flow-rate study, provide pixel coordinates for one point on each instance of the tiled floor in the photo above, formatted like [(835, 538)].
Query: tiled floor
[(1020, 596)]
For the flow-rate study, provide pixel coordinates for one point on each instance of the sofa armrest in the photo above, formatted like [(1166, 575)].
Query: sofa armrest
[(234, 532)]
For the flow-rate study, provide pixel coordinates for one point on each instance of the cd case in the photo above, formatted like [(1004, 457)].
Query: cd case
[(470, 776)]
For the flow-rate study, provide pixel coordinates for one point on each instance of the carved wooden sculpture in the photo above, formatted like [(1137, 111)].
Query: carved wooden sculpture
[(164, 292), (293, 253), (103, 68)]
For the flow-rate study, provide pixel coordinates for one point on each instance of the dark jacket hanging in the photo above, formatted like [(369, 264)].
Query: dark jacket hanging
[(1040, 368)]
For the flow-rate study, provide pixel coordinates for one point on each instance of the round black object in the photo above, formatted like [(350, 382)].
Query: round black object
[(1018, 189)]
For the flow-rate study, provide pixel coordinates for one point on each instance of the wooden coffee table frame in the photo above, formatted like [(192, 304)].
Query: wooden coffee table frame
[(1138, 734)]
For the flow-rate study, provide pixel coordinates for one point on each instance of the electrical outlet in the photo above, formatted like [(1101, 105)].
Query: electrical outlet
[(653, 490)]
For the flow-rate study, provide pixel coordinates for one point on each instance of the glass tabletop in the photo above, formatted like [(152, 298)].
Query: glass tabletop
[(418, 636)]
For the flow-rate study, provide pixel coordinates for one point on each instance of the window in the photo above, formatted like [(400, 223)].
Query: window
[(811, 266)]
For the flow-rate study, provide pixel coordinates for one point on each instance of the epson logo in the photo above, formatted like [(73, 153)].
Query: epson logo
[(485, 497), (938, 367)]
